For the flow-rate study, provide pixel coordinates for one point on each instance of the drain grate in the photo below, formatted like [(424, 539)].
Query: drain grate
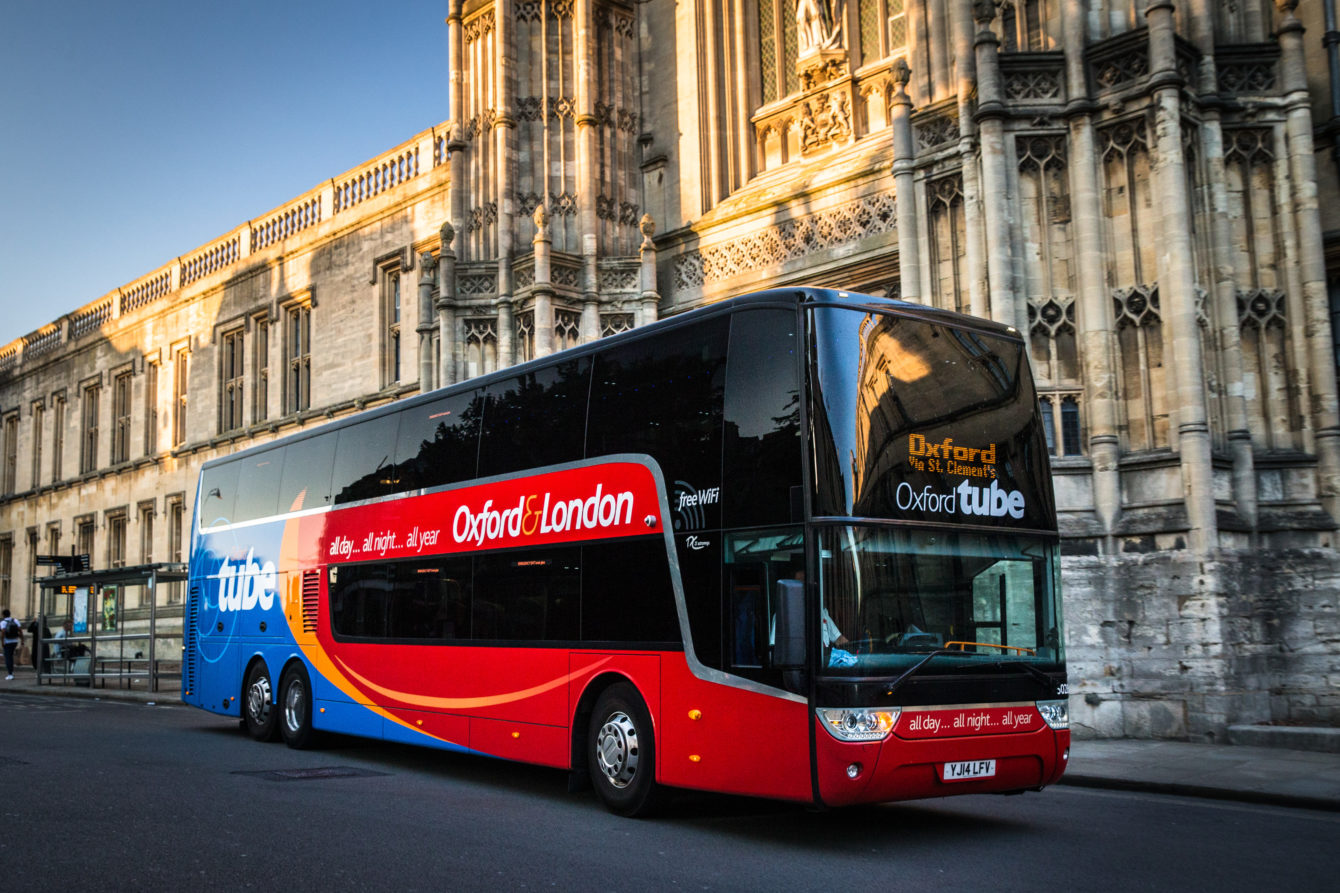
[(311, 774)]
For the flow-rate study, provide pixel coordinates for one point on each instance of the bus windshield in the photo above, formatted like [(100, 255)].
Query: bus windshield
[(892, 595)]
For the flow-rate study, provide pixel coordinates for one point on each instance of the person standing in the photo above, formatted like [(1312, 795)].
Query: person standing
[(12, 637)]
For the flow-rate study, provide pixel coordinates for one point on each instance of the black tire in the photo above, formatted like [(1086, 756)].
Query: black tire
[(259, 716), (621, 753), (295, 708)]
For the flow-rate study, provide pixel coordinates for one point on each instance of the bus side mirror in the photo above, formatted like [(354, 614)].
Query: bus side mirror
[(789, 648)]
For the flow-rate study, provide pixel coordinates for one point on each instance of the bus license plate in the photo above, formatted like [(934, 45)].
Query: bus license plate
[(969, 769)]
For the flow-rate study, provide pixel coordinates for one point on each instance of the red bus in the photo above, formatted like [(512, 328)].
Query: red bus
[(800, 544)]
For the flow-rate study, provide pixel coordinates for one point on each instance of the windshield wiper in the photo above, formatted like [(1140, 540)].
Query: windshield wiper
[(1028, 668), (906, 674), (999, 664)]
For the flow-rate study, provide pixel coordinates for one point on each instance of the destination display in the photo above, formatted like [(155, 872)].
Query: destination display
[(921, 421)]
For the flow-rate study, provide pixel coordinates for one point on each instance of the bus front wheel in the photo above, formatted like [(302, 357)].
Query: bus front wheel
[(295, 708), (621, 752), (258, 710)]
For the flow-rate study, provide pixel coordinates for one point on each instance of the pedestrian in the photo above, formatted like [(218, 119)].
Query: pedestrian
[(40, 633), (13, 638)]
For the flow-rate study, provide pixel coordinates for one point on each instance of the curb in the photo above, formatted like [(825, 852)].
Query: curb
[(29, 686), (1204, 792)]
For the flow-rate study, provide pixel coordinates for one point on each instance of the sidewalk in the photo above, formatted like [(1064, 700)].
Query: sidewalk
[(25, 681), (1274, 775)]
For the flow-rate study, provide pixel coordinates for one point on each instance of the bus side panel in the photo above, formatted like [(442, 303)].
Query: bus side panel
[(742, 742), (527, 684), (642, 670), (218, 683), (522, 741), (344, 717), (427, 729)]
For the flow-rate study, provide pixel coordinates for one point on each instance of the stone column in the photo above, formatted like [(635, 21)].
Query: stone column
[(504, 133), (937, 26), (966, 87), (904, 185), (991, 113), (917, 50), (1223, 311), (1096, 338), (427, 320), (1177, 284), (458, 200), (544, 289), (448, 373), (1311, 257), (587, 178), (505, 320), (590, 322), (651, 298)]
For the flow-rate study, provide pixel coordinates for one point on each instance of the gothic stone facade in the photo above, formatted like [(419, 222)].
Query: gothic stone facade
[(1133, 184)]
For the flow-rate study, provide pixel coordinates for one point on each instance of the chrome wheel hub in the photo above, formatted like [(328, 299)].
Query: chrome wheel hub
[(294, 696), (258, 700), (617, 750)]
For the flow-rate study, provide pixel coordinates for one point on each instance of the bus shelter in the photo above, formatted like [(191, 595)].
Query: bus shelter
[(121, 627)]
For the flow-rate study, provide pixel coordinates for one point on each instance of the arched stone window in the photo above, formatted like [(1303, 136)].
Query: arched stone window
[(1143, 385), (949, 239), (481, 346)]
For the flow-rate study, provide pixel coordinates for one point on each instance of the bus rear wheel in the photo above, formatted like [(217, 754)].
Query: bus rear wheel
[(295, 708), (258, 710), (621, 753)]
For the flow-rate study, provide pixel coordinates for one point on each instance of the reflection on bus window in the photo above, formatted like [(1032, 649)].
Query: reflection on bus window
[(898, 593)]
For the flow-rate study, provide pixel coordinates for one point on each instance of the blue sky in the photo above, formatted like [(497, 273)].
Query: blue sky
[(132, 131)]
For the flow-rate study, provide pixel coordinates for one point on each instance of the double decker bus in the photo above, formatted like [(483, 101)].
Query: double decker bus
[(800, 544)]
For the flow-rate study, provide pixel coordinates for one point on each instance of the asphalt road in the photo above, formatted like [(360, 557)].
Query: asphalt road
[(111, 796)]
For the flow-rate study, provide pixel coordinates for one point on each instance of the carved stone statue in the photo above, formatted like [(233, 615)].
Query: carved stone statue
[(819, 25), (809, 131)]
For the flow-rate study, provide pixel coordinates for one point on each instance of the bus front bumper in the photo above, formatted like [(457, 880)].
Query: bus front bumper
[(902, 769)]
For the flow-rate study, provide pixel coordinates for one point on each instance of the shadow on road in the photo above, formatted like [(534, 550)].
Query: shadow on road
[(913, 823)]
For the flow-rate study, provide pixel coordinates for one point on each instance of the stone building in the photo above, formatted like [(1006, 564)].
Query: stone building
[(1140, 186)]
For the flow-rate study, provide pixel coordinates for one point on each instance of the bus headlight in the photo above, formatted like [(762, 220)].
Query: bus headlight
[(858, 723), (1055, 713)]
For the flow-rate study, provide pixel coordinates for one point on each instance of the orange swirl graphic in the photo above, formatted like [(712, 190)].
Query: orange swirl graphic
[(434, 703)]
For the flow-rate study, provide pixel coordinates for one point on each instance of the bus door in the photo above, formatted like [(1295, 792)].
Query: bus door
[(754, 562)]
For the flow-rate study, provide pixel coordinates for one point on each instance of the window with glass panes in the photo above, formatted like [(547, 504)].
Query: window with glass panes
[(11, 436), (181, 368), (391, 299), (298, 388), (150, 408), (260, 388), (121, 417), (232, 380), (88, 448)]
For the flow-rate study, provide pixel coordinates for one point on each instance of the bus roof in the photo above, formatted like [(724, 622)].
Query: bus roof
[(793, 296)]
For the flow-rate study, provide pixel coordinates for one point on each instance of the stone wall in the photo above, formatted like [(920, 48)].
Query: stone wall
[(1163, 645)]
